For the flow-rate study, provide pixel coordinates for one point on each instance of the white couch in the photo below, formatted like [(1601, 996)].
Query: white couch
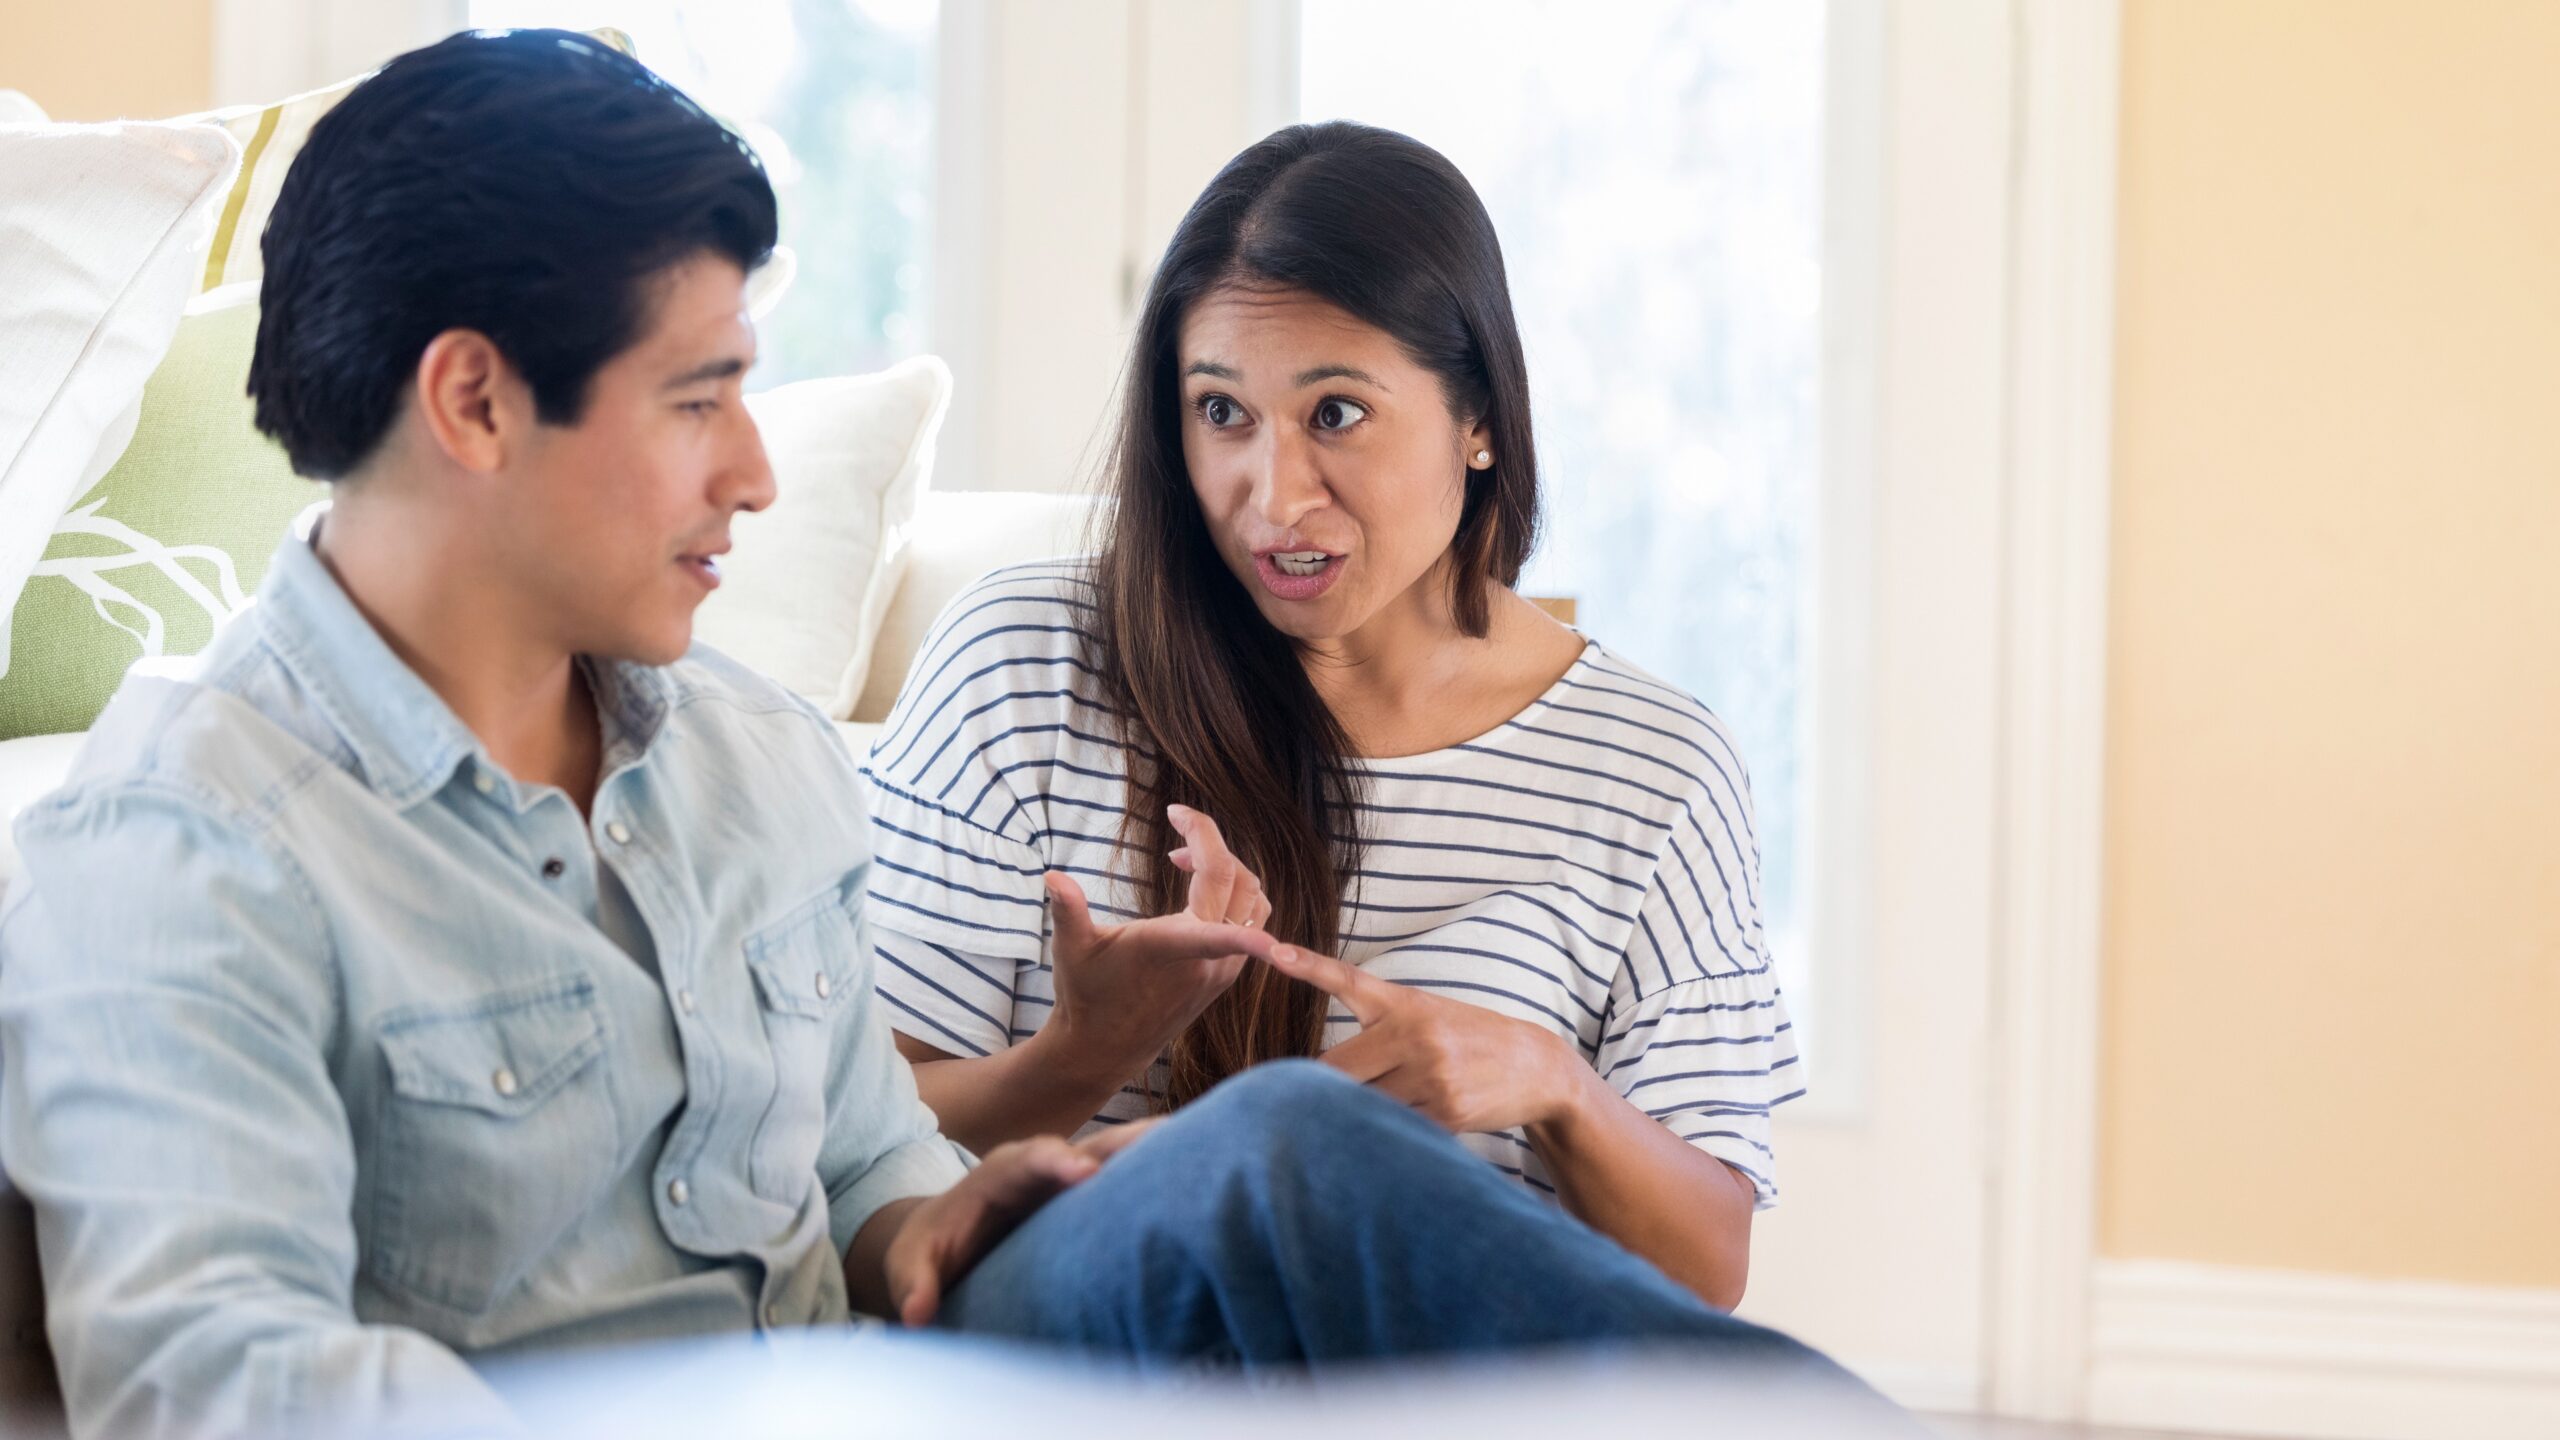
[(956, 538)]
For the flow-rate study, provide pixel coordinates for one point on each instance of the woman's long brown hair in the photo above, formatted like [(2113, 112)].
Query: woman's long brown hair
[(1218, 711)]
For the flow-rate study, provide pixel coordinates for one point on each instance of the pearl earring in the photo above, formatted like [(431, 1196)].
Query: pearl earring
[(1484, 458)]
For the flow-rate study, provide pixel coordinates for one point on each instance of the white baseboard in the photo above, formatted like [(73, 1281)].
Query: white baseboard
[(2318, 1357)]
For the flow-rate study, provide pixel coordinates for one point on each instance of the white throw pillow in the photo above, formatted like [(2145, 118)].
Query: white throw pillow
[(102, 236), (804, 587)]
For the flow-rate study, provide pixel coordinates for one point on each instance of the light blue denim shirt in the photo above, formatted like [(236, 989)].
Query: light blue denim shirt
[(328, 1077)]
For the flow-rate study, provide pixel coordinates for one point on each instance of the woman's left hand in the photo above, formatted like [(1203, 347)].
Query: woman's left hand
[(1460, 1064)]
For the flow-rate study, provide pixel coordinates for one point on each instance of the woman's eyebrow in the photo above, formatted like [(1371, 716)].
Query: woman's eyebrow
[(1213, 369), (1338, 372)]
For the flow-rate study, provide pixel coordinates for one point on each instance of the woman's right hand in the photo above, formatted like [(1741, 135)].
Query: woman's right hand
[(1125, 991)]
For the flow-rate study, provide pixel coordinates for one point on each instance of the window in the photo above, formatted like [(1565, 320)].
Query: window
[(1656, 171), (837, 96)]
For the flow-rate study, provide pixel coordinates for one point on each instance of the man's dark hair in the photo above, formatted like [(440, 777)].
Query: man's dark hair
[(531, 185)]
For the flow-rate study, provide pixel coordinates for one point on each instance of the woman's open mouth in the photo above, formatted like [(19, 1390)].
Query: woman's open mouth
[(1297, 574)]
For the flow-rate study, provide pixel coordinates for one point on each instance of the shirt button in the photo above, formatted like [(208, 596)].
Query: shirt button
[(678, 1192), (504, 1082), (554, 868), (823, 986), (684, 1001), (484, 782), (618, 833)]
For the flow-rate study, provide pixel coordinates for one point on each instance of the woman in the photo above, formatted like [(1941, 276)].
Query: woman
[(1536, 862)]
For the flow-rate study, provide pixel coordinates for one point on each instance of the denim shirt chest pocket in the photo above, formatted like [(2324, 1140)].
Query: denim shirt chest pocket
[(496, 1134), (805, 966)]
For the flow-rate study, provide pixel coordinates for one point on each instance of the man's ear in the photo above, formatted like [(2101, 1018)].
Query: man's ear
[(470, 400)]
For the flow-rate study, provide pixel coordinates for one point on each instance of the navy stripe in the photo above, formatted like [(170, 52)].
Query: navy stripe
[(1661, 959), (893, 791), (1549, 941), (906, 834), (1601, 840), (1574, 800), (960, 726), (1073, 569), (1542, 763), (914, 693), (1724, 1107), (1670, 907), (924, 726), (1761, 1074), (1730, 1135), (1533, 1182), (1734, 787), (965, 963), (1522, 896), (1617, 915), (936, 986), (1691, 710), (1419, 983), (1710, 1107), (1002, 771), (939, 1028), (949, 624), (1547, 975), (1750, 891), (956, 920), (1769, 1004), (1596, 743), (1108, 841), (960, 771), (1648, 1052), (1054, 798), (1703, 787), (1438, 845), (885, 863), (1050, 763), (1674, 736), (1709, 911)]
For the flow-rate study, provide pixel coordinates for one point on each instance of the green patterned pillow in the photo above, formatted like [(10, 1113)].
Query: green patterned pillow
[(170, 543)]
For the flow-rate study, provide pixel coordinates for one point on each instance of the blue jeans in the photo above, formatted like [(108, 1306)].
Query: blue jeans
[(1294, 1218)]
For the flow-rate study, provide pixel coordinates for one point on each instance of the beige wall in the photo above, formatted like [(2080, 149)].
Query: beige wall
[(2333, 992), (105, 59)]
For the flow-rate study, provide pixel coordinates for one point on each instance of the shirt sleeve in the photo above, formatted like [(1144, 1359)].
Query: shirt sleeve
[(958, 794), (868, 1163), (167, 998), (1697, 1034)]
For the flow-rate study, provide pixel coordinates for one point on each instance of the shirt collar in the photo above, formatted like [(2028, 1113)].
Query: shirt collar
[(406, 741)]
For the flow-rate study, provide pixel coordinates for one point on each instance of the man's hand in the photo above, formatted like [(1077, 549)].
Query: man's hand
[(1125, 991), (1460, 1064), (942, 1238)]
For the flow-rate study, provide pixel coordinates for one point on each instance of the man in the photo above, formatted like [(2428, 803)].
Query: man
[(456, 965)]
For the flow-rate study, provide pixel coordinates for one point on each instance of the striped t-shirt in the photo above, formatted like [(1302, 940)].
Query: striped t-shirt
[(1587, 866)]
